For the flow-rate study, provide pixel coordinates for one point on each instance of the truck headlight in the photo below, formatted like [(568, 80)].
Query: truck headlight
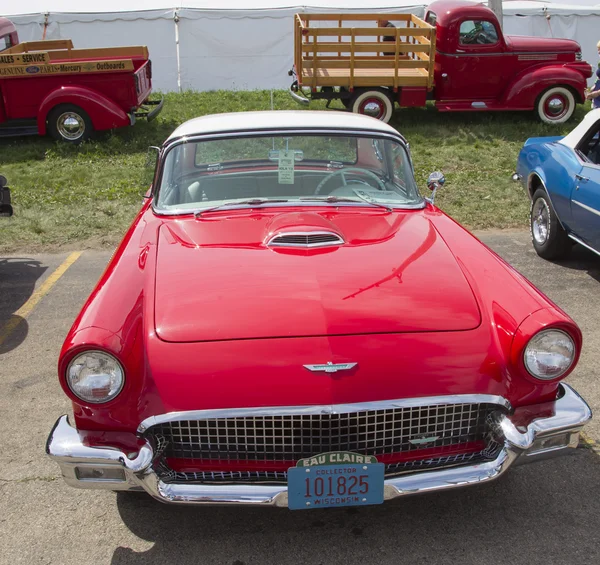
[(549, 354), (95, 376)]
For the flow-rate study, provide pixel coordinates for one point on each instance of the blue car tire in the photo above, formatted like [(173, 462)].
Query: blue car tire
[(549, 238)]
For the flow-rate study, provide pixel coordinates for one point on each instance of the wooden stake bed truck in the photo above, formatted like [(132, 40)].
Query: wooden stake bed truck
[(50, 87), (457, 57)]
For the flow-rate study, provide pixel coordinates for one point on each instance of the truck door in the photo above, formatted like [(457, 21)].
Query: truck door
[(473, 70)]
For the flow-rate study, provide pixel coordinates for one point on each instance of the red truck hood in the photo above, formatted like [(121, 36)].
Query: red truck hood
[(519, 43), (217, 280)]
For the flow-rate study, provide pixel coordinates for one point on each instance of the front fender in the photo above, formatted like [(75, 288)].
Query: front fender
[(524, 90), (104, 112)]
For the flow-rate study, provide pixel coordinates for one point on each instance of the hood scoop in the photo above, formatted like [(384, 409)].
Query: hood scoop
[(305, 239)]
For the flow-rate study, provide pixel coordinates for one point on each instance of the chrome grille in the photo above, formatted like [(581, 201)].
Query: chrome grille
[(281, 476), (309, 239), (286, 438)]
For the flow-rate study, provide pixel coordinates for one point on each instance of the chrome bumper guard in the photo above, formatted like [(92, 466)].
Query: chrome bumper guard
[(83, 466), (300, 98)]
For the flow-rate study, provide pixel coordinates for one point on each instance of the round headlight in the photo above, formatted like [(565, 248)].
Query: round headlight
[(549, 354), (95, 376)]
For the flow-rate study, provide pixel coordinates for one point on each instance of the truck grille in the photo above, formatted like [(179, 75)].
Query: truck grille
[(287, 438)]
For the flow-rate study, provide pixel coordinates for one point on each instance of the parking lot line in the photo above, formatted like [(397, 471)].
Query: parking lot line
[(22, 313)]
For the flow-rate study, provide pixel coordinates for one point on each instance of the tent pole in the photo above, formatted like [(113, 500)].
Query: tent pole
[(496, 7), (46, 15), (176, 20)]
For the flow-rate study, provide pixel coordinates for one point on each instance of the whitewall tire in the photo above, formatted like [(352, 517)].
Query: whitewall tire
[(375, 103), (555, 105)]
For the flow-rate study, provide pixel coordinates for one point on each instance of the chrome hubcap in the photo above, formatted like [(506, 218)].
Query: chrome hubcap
[(372, 109), (540, 221), (70, 126), (556, 106)]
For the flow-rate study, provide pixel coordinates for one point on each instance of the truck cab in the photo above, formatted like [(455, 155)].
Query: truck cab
[(8, 34), (478, 68)]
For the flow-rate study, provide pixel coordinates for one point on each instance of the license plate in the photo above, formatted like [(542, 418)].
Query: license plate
[(327, 486)]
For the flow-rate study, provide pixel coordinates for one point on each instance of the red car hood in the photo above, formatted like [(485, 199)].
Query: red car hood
[(217, 280), (521, 44)]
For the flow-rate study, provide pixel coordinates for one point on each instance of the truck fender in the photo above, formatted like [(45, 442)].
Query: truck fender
[(103, 112), (525, 88)]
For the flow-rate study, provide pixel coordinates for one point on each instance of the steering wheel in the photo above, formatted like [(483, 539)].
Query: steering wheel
[(350, 170)]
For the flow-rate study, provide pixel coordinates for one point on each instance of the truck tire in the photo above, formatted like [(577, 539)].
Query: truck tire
[(555, 105), (549, 239), (69, 123), (374, 102)]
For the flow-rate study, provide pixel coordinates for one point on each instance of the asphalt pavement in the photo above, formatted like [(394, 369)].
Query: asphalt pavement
[(545, 513)]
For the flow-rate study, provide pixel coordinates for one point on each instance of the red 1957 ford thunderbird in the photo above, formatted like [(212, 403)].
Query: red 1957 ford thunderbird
[(288, 322)]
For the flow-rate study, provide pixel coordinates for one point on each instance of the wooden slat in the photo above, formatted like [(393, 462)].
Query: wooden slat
[(367, 63), (356, 17), (431, 58), (99, 53), (352, 62), (315, 61), (46, 45), (360, 31), (419, 22), (363, 47), (368, 77), (396, 59)]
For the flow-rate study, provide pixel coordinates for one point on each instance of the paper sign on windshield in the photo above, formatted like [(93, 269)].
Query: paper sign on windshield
[(286, 167)]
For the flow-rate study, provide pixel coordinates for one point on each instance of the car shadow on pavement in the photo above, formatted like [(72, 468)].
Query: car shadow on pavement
[(547, 512), (582, 259), (17, 283)]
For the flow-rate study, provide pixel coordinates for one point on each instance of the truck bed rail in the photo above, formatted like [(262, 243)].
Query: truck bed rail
[(327, 52), (58, 57)]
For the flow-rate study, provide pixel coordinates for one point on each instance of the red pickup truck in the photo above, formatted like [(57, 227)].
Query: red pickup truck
[(457, 56), (50, 87)]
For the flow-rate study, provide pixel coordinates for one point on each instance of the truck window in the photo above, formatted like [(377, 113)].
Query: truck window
[(5, 42), (477, 32), (431, 18)]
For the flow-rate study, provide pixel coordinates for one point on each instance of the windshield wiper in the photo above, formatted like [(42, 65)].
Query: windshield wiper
[(334, 199), (250, 202)]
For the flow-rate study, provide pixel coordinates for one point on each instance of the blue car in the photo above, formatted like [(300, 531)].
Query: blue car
[(562, 178)]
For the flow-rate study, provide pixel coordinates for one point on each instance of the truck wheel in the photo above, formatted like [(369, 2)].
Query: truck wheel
[(70, 123), (555, 105), (375, 103), (549, 239)]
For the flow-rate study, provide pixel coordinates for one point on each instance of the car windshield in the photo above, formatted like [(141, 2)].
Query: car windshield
[(295, 169)]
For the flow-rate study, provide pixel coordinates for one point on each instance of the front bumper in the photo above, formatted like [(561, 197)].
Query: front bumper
[(549, 433)]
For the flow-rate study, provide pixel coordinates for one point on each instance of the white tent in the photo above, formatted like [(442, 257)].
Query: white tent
[(223, 44)]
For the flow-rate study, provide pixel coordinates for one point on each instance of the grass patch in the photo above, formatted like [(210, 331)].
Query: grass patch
[(86, 196)]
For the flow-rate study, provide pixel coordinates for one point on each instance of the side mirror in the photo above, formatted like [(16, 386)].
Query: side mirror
[(150, 167), (434, 181)]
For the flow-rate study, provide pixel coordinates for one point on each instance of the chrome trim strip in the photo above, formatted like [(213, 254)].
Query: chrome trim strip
[(570, 414), (577, 240), (271, 242), (588, 208), (324, 409)]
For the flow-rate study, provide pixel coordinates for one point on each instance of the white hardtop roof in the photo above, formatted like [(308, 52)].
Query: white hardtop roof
[(280, 119), (573, 138)]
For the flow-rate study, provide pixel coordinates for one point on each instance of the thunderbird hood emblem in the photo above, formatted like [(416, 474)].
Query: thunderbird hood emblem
[(330, 367)]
